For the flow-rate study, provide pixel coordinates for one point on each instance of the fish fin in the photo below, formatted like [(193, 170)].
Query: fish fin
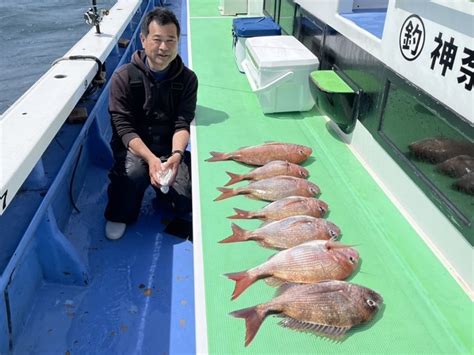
[(264, 244), (241, 214), (226, 193), (234, 178), (253, 321), (271, 256), (333, 244), (217, 156), (283, 288), (331, 331), (238, 235), (255, 197), (242, 281), (274, 281)]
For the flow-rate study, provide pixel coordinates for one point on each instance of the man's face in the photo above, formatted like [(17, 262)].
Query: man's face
[(161, 45)]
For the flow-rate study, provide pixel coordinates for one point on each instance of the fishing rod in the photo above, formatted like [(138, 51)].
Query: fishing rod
[(93, 16)]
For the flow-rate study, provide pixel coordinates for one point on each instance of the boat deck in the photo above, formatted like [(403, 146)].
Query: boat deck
[(136, 295), (424, 308), (140, 295)]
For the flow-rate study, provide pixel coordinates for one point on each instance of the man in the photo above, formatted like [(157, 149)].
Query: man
[(152, 102)]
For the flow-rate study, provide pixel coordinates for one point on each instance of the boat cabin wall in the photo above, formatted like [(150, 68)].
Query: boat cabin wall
[(395, 111)]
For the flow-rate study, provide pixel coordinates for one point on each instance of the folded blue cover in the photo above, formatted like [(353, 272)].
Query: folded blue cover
[(255, 26)]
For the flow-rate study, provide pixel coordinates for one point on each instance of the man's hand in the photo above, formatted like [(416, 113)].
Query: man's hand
[(173, 164), (155, 167)]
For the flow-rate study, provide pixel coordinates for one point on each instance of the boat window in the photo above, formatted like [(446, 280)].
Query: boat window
[(435, 146), (287, 16), (310, 32), (270, 8)]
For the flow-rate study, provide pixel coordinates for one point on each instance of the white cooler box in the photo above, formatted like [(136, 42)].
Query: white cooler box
[(246, 27), (278, 69)]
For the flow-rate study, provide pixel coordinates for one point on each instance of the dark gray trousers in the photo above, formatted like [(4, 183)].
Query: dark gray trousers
[(129, 179)]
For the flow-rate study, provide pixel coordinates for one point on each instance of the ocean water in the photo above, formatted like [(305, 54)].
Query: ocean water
[(33, 33)]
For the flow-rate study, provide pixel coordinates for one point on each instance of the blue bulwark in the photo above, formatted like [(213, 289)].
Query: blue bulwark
[(255, 26)]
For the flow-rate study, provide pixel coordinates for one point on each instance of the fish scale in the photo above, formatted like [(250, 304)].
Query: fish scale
[(328, 308), (300, 264), (273, 189), (262, 154)]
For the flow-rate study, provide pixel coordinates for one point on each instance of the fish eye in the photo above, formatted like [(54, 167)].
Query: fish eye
[(301, 152), (351, 259), (333, 234), (322, 210), (371, 303)]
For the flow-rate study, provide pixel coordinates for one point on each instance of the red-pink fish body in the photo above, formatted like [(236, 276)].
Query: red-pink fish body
[(309, 262), (287, 232), (273, 189), (264, 153), (271, 169), (286, 207), (328, 308)]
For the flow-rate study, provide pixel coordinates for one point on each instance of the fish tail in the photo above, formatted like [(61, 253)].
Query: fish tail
[(242, 281), (253, 321), (241, 214), (217, 156), (234, 178), (226, 193), (238, 235)]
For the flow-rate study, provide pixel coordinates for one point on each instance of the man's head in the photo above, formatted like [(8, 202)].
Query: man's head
[(159, 35)]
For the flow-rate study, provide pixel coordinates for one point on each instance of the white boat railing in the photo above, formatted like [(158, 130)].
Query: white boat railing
[(30, 124)]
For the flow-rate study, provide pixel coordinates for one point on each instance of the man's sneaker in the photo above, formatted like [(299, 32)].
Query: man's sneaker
[(114, 230)]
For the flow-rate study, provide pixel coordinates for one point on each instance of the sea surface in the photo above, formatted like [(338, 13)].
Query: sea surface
[(33, 33)]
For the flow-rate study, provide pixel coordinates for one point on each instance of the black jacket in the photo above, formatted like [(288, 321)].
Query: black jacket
[(166, 107)]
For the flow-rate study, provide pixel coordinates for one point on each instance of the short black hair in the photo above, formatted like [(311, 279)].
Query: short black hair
[(162, 16)]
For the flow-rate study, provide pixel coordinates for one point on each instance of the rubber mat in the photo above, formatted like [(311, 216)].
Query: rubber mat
[(425, 310)]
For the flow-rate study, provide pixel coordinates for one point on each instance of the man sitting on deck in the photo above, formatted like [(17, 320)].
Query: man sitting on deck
[(152, 102)]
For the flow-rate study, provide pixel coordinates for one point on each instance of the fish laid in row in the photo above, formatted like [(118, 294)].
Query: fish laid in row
[(285, 207), (309, 262), (465, 184), (437, 150), (273, 189), (287, 233), (327, 308), (457, 166), (264, 153), (271, 169)]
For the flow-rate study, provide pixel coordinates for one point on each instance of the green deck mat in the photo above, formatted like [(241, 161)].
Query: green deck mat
[(425, 310)]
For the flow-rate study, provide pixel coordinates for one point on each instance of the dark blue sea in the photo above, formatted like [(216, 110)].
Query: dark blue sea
[(33, 33)]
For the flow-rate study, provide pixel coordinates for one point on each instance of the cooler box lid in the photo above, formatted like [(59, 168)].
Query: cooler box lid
[(279, 51), (255, 26)]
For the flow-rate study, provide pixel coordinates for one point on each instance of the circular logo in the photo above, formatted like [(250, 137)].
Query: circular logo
[(412, 37)]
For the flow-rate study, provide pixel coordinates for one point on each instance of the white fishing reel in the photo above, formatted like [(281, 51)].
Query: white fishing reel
[(94, 16)]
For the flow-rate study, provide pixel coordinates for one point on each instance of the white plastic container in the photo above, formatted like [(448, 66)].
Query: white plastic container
[(246, 27), (233, 7), (278, 69)]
